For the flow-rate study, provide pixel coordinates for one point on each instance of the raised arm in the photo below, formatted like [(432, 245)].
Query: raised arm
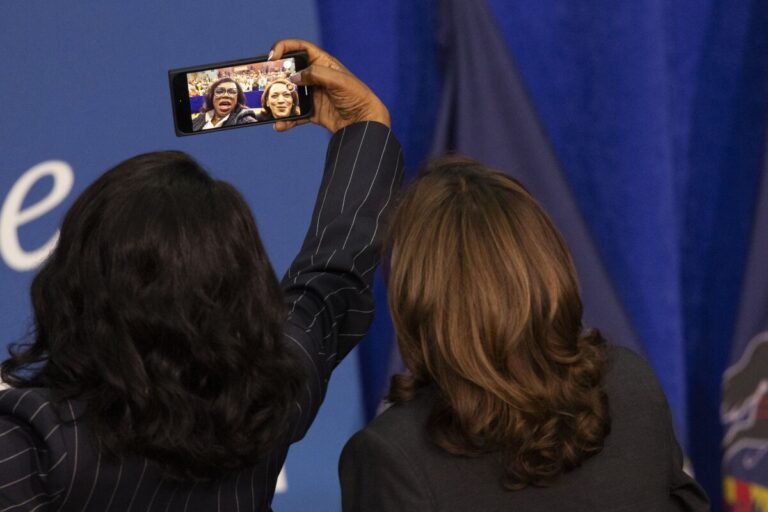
[(328, 285)]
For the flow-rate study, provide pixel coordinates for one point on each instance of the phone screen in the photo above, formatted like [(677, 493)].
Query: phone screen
[(238, 93)]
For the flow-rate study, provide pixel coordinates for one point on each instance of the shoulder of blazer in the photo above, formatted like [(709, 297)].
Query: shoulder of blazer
[(629, 377), (49, 428), (33, 405), (404, 423), (377, 472)]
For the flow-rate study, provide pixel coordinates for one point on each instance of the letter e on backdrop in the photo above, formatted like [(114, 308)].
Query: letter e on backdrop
[(13, 215)]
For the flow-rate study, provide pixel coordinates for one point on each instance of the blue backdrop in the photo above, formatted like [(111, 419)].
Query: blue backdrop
[(640, 126)]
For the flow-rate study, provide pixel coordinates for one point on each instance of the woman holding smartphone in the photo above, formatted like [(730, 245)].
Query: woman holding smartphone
[(168, 368)]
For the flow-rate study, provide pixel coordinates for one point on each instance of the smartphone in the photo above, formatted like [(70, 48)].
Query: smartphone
[(238, 93)]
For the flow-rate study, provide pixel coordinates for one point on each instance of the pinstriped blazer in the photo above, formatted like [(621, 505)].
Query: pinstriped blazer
[(48, 457)]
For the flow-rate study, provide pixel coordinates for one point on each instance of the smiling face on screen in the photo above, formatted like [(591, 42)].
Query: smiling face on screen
[(280, 100)]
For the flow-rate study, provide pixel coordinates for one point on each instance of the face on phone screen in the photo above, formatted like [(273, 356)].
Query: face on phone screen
[(238, 94)]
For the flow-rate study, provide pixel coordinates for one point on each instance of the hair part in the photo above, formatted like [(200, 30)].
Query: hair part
[(485, 304), (159, 309)]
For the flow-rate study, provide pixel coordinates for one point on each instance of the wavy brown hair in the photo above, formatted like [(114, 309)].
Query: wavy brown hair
[(486, 308)]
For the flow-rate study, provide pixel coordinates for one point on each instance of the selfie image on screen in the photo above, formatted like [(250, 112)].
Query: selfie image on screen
[(248, 93)]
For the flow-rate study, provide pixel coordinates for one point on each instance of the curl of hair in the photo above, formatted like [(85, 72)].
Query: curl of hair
[(160, 311), (485, 305)]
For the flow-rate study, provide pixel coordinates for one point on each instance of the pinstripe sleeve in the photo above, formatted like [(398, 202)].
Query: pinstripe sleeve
[(328, 286), (23, 462)]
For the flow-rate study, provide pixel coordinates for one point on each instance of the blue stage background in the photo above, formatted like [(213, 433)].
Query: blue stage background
[(639, 125)]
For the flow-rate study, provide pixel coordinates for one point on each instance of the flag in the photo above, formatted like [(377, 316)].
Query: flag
[(744, 410)]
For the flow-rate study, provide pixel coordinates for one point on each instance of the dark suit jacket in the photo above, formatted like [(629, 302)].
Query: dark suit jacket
[(392, 466), (48, 456)]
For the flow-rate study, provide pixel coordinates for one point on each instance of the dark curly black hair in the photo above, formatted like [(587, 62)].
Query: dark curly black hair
[(159, 309)]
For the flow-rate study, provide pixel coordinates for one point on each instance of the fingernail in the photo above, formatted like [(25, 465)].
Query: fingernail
[(271, 53), (274, 127), (295, 78)]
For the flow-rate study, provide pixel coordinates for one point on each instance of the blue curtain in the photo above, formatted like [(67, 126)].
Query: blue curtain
[(640, 127)]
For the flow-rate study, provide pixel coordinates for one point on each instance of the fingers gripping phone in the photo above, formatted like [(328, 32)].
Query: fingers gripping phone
[(238, 93)]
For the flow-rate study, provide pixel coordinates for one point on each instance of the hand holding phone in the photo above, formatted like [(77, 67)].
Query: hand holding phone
[(339, 97)]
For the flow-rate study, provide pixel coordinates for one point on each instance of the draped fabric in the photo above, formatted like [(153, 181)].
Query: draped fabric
[(638, 125)]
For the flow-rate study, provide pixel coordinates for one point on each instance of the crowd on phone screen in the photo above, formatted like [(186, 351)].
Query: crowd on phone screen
[(249, 80)]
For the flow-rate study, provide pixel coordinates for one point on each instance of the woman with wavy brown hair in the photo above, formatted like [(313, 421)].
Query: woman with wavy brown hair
[(508, 403)]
